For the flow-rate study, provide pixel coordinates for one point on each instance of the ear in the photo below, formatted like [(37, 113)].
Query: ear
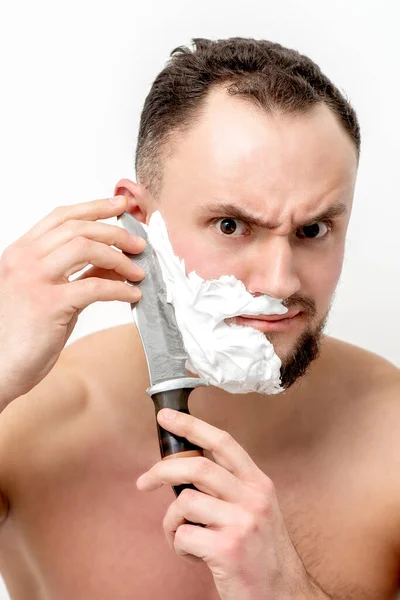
[(139, 200)]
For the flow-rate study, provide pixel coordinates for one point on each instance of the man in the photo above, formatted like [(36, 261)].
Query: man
[(250, 154)]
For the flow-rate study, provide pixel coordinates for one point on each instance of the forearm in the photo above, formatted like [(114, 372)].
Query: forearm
[(299, 584), (300, 588), (312, 593)]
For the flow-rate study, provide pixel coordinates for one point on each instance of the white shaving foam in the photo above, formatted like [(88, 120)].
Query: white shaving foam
[(235, 358)]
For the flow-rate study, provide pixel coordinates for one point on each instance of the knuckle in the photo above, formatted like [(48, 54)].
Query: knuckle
[(59, 210), (203, 465), (267, 488), (264, 510), (81, 242), (232, 546), (224, 439), (13, 263), (187, 495), (8, 259), (262, 505), (190, 423), (71, 226), (250, 524), (96, 283)]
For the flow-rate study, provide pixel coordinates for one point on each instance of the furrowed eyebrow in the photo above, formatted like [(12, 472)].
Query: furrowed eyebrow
[(238, 212), (335, 210)]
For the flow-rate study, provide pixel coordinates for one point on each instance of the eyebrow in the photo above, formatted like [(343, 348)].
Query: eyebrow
[(238, 212)]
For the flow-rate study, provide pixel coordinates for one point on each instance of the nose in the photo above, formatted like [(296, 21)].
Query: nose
[(273, 271)]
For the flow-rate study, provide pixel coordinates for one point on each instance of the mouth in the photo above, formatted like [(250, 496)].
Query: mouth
[(270, 323)]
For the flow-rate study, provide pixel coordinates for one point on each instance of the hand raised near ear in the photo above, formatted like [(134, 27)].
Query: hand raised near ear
[(39, 305)]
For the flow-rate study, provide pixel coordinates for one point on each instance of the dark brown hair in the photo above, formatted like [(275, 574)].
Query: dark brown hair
[(269, 75)]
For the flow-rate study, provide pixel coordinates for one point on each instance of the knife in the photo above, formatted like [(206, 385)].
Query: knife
[(165, 352)]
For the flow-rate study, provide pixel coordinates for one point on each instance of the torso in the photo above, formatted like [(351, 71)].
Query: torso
[(79, 528)]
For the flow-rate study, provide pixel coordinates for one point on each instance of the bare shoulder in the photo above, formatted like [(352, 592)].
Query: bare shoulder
[(360, 391), (368, 401), (112, 364), (363, 371), (96, 377), (121, 340), (110, 360)]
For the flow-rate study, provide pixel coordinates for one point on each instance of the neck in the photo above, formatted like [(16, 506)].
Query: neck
[(249, 418)]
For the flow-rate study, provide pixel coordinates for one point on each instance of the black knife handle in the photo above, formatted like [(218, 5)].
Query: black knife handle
[(172, 445)]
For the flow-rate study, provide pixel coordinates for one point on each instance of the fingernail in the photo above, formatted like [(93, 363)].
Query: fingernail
[(168, 414)]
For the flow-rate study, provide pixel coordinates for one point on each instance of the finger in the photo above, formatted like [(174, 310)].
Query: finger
[(101, 274), (80, 252), (206, 475), (90, 211), (197, 507), (111, 235), (193, 546), (79, 294), (226, 451)]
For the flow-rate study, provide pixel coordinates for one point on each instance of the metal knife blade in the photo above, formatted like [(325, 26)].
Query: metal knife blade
[(155, 318), (163, 345)]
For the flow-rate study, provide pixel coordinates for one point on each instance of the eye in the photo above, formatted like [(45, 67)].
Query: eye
[(229, 226), (316, 230)]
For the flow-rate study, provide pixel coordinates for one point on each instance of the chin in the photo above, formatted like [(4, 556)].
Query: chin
[(284, 343), (299, 353)]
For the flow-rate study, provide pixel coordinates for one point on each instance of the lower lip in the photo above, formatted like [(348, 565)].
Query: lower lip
[(269, 326)]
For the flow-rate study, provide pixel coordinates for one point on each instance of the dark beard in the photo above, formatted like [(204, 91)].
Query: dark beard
[(305, 352)]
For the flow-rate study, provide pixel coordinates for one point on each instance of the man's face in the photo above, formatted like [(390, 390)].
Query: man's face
[(282, 172)]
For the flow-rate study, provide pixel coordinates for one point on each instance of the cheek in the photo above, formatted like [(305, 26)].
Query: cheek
[(187, 246), (321, 280), (202, 257)]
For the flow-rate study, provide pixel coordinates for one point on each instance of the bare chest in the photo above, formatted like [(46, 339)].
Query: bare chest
[(81, 529)]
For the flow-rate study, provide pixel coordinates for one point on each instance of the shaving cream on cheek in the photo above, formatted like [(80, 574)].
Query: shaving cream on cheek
[(236, 358)]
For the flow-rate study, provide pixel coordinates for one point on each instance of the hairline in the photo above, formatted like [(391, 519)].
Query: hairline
[(165, 146)]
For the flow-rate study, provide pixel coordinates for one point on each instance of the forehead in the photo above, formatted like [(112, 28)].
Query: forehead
[(237, 151)]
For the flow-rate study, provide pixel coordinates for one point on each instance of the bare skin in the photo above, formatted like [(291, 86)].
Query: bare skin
[(74, 441), (78, 526)]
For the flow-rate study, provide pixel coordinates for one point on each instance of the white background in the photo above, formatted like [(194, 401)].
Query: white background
[(74, 76)]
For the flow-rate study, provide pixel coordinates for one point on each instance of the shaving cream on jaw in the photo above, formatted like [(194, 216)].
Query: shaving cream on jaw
[(236, 358)]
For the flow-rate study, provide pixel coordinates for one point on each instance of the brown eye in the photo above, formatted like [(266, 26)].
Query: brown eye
[(316, 230), (228, 226)]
